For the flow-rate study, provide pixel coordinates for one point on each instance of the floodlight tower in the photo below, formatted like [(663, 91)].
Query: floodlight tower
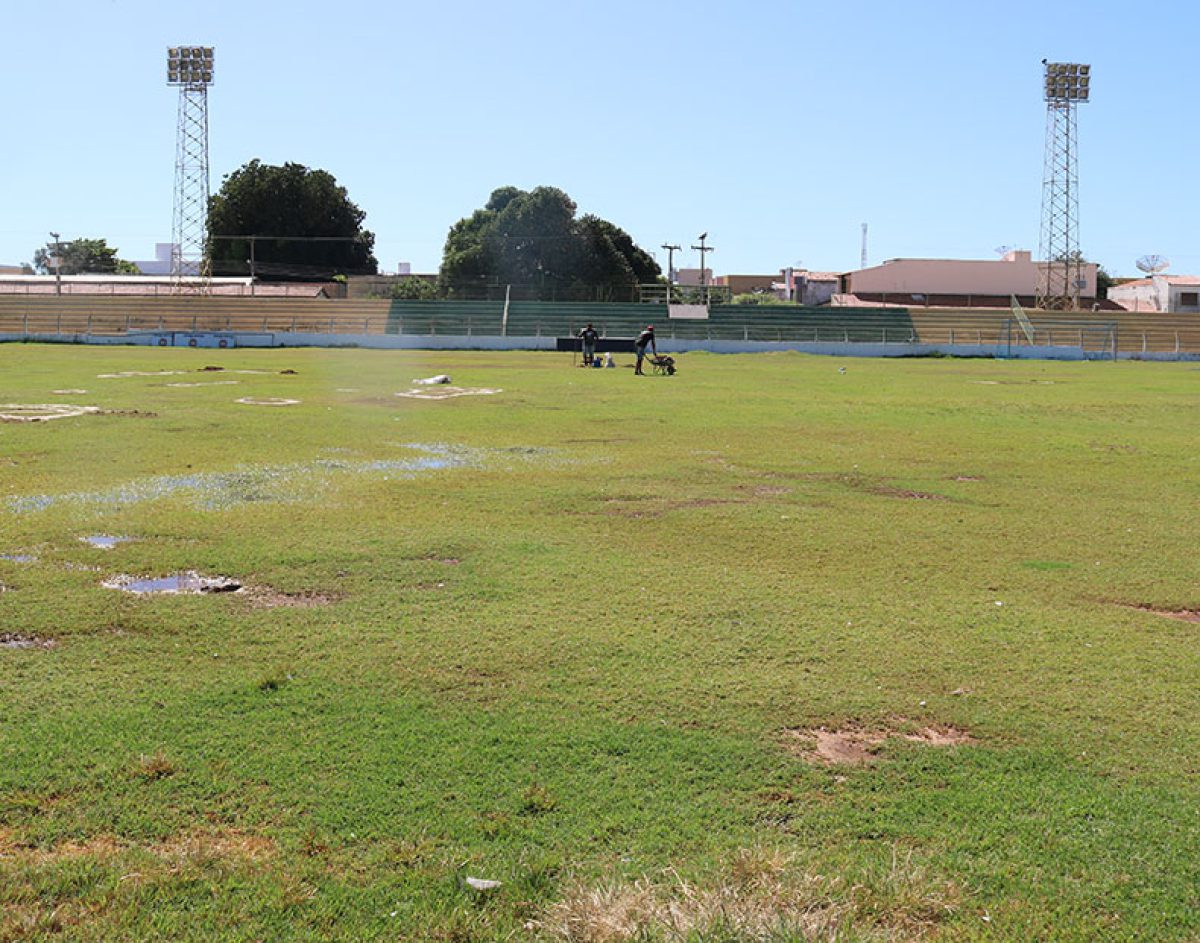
[(1060, 278), (191, 69)]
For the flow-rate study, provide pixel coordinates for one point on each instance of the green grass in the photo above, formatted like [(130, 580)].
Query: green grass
[(571, 661)]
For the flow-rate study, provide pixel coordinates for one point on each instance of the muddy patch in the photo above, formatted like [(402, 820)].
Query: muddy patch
[(906, 494), (42, 412), (1179, 615), (188, 583), (21, 640), (448, 392), (267, 401), (135, 413), (265, 597), (858, 746)]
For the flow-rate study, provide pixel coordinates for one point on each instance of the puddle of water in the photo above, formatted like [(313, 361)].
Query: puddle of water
[(187, 583), (140, 373), (282, 483), (19, 557), (104, 541), (42, 412)]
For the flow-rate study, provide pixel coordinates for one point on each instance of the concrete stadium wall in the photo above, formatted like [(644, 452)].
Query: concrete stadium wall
[(464, 342)]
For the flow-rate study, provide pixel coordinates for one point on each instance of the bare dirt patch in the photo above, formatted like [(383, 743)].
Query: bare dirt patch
[(265, 597), (21, 640), (1179, 615), (907, 494), (846, 747), (967, 478), (940, 736), (857, 746)]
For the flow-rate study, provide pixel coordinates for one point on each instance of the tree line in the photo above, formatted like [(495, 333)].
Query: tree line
[(292, 222)]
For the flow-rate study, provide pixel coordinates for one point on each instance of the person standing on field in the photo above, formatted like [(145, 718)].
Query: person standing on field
[(588, 338), (644, 339)]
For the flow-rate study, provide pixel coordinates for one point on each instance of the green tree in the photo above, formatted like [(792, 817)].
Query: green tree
[(412, 289), (82, 257), (305, 225), (533, 239)]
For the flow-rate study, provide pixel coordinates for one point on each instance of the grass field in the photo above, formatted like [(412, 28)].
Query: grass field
[(585, 636)]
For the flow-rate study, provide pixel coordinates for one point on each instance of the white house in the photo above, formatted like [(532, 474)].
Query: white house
[(1168, 294)]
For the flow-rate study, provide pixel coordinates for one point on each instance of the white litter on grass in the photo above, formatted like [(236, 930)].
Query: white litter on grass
[(68, 392), (266, 401), (42, 412), (141, 373), (207, 383), (483, 884), (441, 378), (449, 392)]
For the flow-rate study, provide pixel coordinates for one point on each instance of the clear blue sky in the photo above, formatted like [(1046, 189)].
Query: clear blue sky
[(778, 127)]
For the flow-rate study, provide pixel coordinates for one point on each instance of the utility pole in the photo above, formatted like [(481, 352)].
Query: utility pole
[(703, 250), (57, 263), (671, 250)]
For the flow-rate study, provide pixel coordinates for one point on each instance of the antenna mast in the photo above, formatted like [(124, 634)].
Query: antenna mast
[(863, 260)]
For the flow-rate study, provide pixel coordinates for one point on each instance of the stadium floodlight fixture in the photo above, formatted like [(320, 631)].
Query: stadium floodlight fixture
[(1067, 82), (190, 65)]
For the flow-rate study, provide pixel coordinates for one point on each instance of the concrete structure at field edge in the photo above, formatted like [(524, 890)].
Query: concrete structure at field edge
[(1167, 294), (959, 282), (811, 289)]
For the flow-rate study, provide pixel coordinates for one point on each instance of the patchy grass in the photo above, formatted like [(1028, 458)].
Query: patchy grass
[(557, 636)]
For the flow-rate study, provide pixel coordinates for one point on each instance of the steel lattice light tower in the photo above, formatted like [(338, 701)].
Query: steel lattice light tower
[(191, 69), (1066, 85)]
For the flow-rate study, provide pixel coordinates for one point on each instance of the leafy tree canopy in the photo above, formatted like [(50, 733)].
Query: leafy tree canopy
[(82, 257), (534, 239), (321, 228)]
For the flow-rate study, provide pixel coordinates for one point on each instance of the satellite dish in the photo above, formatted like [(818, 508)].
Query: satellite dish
[(1152, 264), (1002, 250)]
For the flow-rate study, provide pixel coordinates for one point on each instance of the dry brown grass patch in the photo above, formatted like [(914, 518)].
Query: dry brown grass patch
[(156, 766), (215, 845), (763, 896)]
